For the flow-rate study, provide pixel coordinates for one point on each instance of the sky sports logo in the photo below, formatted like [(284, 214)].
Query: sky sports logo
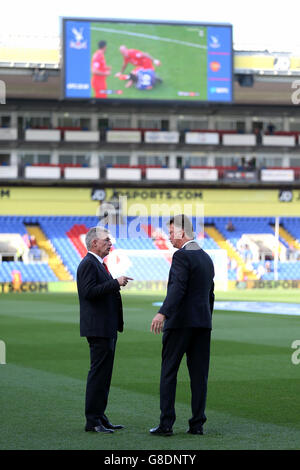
[(188, 93), (219, 90)]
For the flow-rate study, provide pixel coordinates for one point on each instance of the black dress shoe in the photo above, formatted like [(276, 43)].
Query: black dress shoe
[(108, 425), (98, 428), (159, 431), (195, 431)]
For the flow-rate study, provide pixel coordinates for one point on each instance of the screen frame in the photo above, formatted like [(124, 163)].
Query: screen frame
[(140, 101)]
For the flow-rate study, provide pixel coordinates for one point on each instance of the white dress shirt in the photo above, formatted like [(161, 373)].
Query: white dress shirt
[(96, 256)]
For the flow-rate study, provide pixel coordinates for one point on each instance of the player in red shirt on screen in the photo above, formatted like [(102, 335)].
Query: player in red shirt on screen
[(100, 71), (137, 58)]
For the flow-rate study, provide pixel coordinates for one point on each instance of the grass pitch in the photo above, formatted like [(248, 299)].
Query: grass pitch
[(253, 392)]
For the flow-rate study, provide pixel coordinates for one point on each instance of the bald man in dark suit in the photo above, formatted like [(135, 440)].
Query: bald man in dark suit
[(186, 321)]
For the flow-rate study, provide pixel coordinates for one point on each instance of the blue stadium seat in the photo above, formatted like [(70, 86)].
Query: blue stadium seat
[(155, 268)]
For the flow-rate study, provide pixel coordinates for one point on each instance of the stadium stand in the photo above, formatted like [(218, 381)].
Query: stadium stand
[(61, 238), (253, 142), (29, 272)]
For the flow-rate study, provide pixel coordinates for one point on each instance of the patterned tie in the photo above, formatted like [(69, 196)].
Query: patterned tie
[(106, 268)]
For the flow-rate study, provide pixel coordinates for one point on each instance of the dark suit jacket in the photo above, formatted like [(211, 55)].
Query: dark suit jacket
[(101, 312), (190, 293)]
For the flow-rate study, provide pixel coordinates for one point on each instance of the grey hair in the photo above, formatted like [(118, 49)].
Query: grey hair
[(183, 222), (93, 234)]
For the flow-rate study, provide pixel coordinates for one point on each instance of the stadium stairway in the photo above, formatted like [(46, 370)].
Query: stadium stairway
[(287, 237), (232, 253), (54, 261)]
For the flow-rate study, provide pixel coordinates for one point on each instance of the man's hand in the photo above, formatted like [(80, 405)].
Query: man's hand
[(157, 323), (123, 280)]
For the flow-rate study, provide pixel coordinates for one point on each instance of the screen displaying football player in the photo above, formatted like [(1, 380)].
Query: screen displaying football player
[(142, 79), (100, 71), (137, 58)]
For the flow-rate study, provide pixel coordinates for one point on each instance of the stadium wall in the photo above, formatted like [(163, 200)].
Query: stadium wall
[(158, 287), (146, 201)]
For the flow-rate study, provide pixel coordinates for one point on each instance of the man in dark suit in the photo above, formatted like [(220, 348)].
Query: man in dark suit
[(186, 320), (101, 317)]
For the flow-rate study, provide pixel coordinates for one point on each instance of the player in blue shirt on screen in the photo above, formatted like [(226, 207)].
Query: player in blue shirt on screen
[(142, 79)]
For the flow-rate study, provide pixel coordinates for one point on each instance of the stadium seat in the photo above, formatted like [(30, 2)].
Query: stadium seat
[(64, 233)]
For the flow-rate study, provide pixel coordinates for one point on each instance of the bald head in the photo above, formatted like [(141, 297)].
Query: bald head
[(124, 50)]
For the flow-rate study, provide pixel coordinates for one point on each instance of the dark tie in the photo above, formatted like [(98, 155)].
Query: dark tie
[(106, 268)]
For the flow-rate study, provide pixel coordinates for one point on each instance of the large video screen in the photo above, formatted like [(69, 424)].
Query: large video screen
[(126, 60)]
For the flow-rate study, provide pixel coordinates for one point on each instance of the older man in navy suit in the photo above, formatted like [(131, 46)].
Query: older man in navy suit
[(186, 321), (101, 317)]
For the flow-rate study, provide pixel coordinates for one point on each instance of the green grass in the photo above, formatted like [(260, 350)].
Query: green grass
[(253, 393), (183, 67)]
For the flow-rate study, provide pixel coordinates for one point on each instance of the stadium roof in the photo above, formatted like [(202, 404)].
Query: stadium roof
[(38, 51), (29, 51), (30, 67)]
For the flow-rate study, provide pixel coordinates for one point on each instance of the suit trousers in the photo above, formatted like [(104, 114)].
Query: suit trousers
[(102, 353), (195, 343)]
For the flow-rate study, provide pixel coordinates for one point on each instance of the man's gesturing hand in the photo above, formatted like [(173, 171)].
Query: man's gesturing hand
[(157, 323), (123, 280)]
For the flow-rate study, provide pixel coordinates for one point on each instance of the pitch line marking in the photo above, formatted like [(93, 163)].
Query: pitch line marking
[(148, 36), (271, 308)]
